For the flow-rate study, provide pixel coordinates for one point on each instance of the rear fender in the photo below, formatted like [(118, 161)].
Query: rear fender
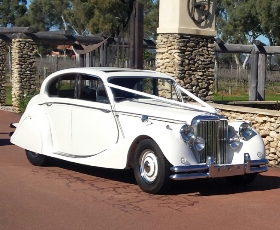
[(33, 131)]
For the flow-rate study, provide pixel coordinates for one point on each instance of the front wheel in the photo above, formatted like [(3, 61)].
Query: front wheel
[(151, 168), (242, 180), (36, 159)]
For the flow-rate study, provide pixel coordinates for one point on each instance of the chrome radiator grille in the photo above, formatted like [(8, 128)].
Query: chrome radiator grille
[(214, 132)]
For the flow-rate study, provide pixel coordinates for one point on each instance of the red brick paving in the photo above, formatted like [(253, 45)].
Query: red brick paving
[(71, 196)]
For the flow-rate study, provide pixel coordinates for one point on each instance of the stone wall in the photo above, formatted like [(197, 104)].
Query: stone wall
[(3, 52), (266, 122), (190, 60), (23, 70)]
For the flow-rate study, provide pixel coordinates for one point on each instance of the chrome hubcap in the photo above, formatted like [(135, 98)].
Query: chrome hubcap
[(148, 166)]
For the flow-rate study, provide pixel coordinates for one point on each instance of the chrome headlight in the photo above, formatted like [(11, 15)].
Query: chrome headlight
[(245, 130), (187, 133), (199, 143)]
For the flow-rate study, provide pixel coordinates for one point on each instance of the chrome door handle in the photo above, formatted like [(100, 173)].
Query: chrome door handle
[(49, 104)]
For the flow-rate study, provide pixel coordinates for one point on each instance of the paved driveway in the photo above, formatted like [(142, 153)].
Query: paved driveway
[(71, 196)]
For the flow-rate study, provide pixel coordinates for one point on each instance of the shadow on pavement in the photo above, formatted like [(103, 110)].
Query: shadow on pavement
[(203, 187), (219, 186), (122, 175), (4, 142)]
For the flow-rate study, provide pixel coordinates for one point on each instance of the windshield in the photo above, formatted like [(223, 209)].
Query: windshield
[(161, 87)]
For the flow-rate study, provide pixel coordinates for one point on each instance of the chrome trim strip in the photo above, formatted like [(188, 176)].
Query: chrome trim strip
[(259, 169), (186, 176), (77, 105), (211, 170), (59, 103), (190, 168), (75, 156), (151, 117), (259, 162)]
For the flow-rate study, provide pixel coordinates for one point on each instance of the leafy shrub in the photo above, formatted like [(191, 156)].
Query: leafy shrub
[(24, 100)]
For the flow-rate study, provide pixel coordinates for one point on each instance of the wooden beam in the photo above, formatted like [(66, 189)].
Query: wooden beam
[(82, 60), (233, 48), (131, 35), (27, 30), (5, 38), (57, 39), (55, 32), (219, 41), (149, 44), (272, 49), (139, 35), (253, 82), (261, 77)]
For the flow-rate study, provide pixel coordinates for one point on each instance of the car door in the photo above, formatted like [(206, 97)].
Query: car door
[(94, 128), (58, 107)]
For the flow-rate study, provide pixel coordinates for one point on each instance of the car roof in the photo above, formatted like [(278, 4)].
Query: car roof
[(107, 72)]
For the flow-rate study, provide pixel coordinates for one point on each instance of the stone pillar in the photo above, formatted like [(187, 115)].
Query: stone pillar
[(185, 45), (23, 70), (190, 60), (3, 52)]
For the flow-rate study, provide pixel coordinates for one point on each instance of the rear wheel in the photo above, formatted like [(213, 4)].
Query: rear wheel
[(151, 168), (36, 159), (242, 180)]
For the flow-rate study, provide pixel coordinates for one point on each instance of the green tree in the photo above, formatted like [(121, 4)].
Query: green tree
[(151, 18), (107, 16), (268, 12), (242, 21), (11, 10), (238, 21), (78, 16), (88, 16), (45, 14)]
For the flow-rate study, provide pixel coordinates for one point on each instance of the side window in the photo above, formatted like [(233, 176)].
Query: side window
[(88, 86), (101, 94), (166, 89), (92, 89), (148, 86), (62, 86)]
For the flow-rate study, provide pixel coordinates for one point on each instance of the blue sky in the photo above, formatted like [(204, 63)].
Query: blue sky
[(263, 39)]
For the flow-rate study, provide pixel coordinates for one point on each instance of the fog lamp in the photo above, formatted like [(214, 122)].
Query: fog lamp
[(199, 144), (234, 142)]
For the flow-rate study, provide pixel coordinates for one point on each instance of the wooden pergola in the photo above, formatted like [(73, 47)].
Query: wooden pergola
[(81, 44), (84, 44), (259, 52)]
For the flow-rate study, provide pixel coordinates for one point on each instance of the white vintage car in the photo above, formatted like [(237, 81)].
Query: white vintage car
[(125, 118)]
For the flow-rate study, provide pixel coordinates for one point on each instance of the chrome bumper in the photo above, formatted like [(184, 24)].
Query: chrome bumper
[(210, 170)]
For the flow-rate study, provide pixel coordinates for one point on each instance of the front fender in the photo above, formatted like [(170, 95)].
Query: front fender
[(254, 145), (168, 138), (33, 131)]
